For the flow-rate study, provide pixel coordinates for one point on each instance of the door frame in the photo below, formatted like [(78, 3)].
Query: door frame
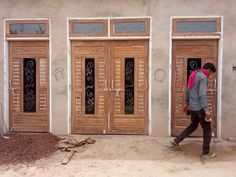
[(219, 67), (6, 105), (108, 38)]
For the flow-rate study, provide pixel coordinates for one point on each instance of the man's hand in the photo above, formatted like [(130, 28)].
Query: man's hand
[(186, 108), (208, 116)]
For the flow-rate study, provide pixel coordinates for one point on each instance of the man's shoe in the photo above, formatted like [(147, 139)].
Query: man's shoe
[(210, 155), (173, 144)]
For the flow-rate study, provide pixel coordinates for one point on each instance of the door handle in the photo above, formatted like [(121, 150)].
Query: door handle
[(214, 84), (118, 91), (12, 91), (112, 85), (11, 88), (106, 86)]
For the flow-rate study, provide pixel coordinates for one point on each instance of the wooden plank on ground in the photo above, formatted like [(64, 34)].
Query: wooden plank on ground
[(68, 157)]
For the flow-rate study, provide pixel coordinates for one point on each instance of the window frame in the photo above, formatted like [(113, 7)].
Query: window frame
[(81, 21), (147, 27), (9, 22), (217, 20)]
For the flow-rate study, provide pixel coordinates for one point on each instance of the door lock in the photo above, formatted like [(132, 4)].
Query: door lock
[(116, 90)]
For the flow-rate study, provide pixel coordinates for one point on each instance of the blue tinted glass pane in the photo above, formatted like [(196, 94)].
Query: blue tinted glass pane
[(188, 27), (130, 27), (86, 28), (29, 28)]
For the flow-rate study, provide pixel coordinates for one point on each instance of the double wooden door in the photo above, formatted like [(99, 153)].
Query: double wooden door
[(28, 86), (189, 55), (109, 87)]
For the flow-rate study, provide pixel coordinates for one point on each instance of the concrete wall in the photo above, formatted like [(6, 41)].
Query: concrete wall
[(229, 76), (3, 13), (161, 11)]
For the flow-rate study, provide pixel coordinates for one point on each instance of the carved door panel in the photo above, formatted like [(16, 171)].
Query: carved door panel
[(109, 87), (188, 56), (90, 87), (28, 86), (129, 87)]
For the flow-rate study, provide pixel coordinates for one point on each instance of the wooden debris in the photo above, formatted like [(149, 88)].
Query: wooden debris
[(72, 145), (68, 144), (68, 157)]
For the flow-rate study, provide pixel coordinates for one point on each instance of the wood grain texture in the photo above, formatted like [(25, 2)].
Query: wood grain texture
[(109, 77), (28, 121), (207, 50)]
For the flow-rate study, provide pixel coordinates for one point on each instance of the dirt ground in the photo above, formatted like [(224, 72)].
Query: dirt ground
[(132, 156), (18, 148)]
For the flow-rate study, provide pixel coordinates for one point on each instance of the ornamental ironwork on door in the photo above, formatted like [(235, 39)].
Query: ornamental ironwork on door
[(28, 86), (188, 56), (109, 93)]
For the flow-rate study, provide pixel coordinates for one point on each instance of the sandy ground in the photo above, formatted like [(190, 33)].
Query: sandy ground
[(133, 156)]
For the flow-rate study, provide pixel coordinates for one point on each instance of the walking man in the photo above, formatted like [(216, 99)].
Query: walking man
[(196, 103)]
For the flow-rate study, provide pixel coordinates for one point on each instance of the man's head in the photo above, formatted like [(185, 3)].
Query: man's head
[(210, 67)]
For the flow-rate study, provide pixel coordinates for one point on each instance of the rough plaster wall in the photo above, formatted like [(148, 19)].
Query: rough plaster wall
[(47, 9), (3, 11), (161, 11), (59, 11), (1, 72), (91, 8), (229, 76), (1, 77)]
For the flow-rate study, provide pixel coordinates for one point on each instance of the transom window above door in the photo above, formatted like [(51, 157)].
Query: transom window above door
[(27, 28), (196, 26), (81, 28), (109, 27)]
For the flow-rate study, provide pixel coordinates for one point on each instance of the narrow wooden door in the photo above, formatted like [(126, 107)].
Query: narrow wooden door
[(28, 86), (89, 87), (129, 87), (189, 55)]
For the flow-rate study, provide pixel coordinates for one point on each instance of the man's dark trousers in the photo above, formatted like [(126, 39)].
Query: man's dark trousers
[(196, 117)]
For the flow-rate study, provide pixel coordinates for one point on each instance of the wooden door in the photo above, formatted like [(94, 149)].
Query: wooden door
[(114, 63), (189, 55), (28, 86), (129, 87), (89, 86)]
